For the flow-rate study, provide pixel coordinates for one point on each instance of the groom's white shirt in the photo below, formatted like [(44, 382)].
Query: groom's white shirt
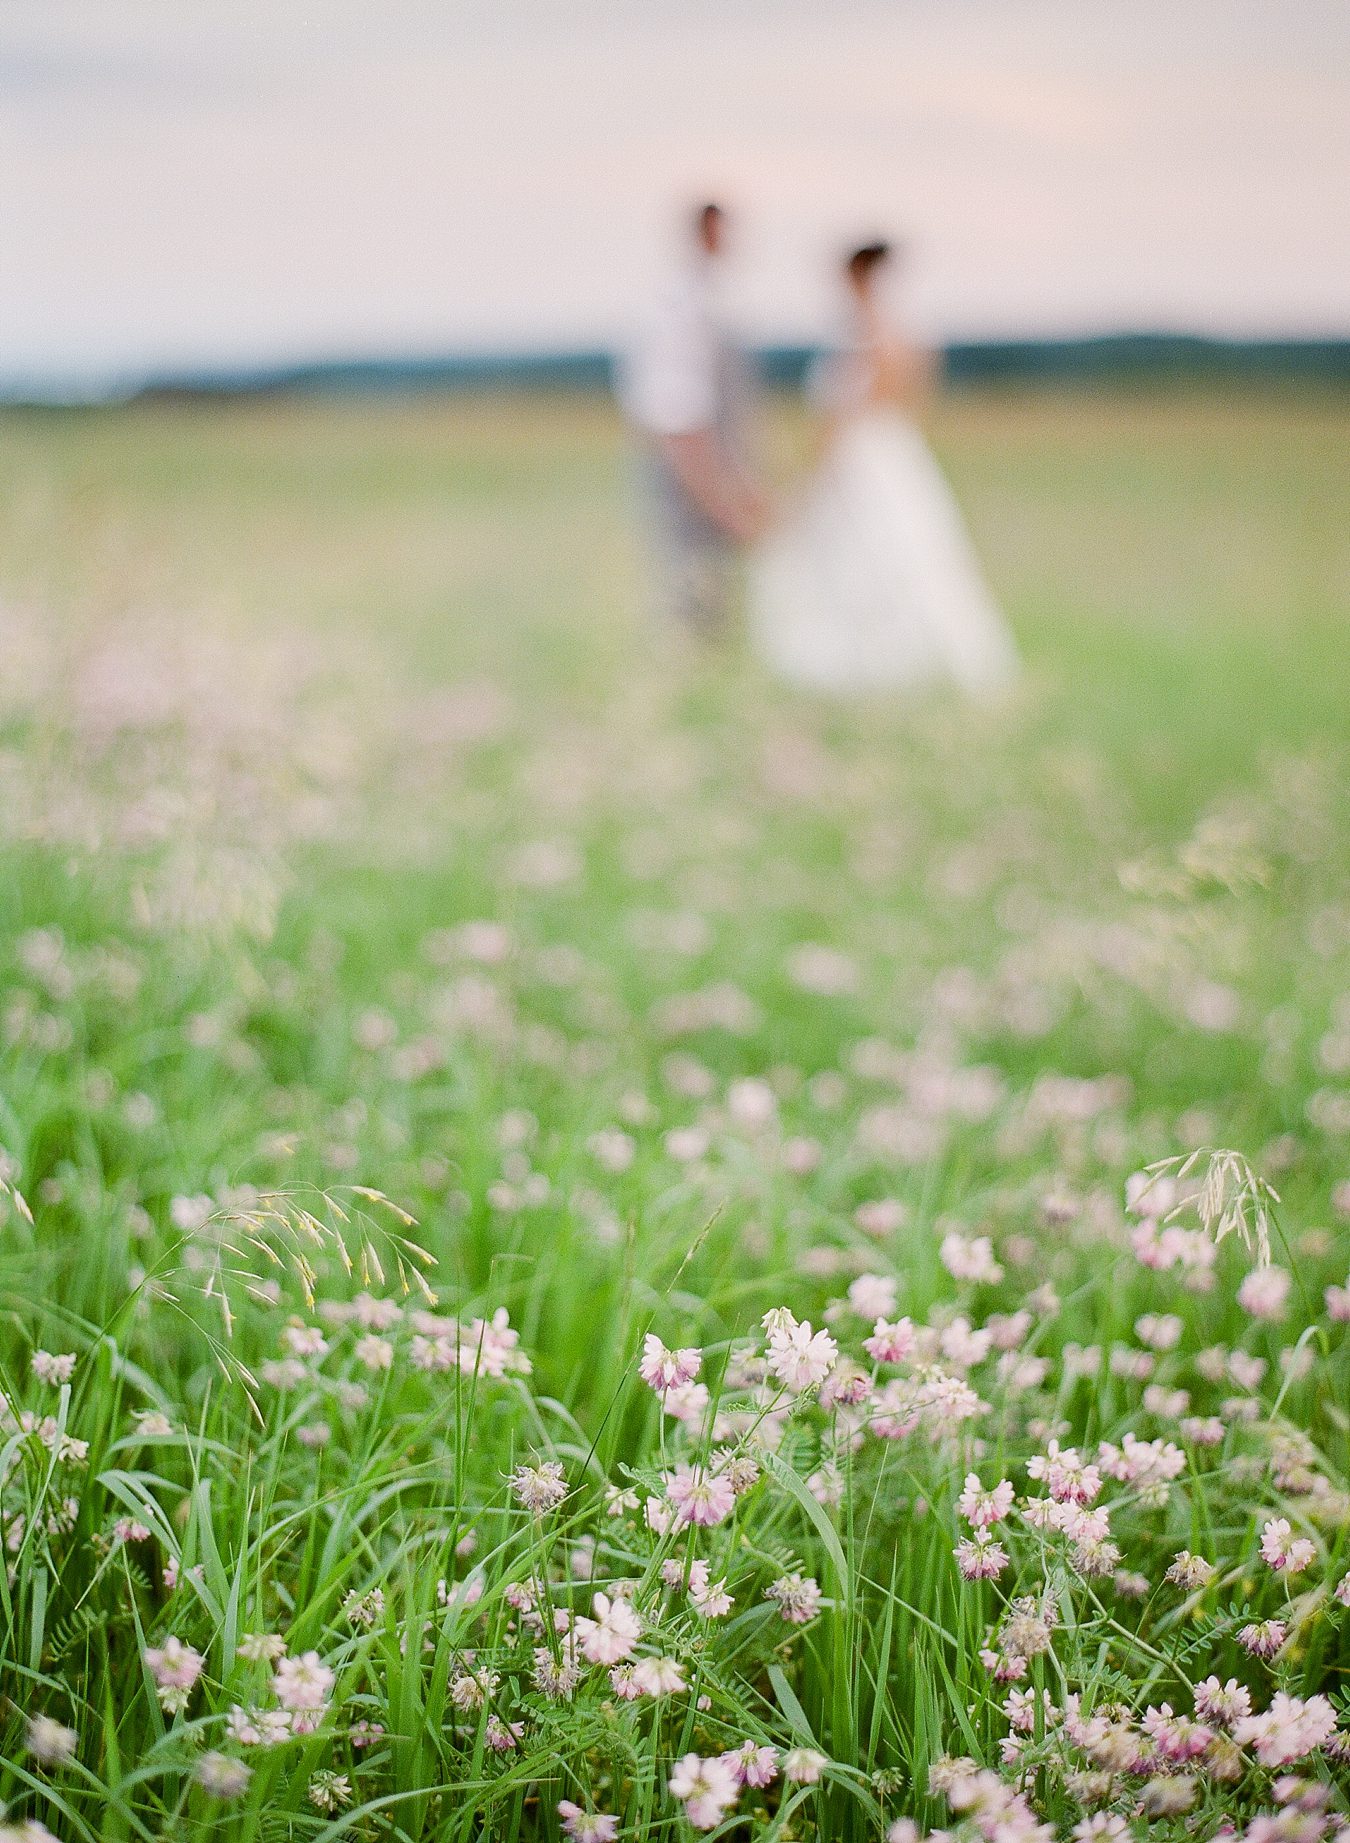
[(669, 380)]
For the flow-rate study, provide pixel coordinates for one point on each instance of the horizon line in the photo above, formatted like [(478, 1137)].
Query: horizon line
[(587, 365)]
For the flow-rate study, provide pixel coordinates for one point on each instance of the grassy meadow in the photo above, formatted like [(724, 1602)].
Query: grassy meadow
[(592, 1247)]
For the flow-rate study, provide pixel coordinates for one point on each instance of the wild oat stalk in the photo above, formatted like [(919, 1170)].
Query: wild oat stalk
[(1232, 1197), (291, 1236)]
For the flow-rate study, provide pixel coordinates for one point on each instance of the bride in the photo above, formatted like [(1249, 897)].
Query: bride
[(871, 583)]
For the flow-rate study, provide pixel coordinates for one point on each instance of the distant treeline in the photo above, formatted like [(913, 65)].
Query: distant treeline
[(1110, 358)]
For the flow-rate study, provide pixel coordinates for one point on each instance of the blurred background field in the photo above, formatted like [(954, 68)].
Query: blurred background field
[(1176, 562)]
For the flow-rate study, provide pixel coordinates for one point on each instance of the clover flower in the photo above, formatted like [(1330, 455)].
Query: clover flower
[(891, 1343), (1190, 1571), (872, 1295), (663, 1369), (1284, 1551), (798, 1598), (700, 1496), (48, 1741), (611, 1634), (658, 1676), (175, 1667), (709, 1598), (1263, 1639), (1288, 1730), (470, 1689), (53, 1369), (364, 1610), (586, 1826), (556, 1677), (983, 1508), (980, 1558), (1265, 1291), (329, 1791), (1178, 1738), (1222, 1703), (254, 1727), (753, 1765), (302, 1684), (261, 1647), (1067, 1476), (222, 1776), (540, 1488), (707, 1787), (970, 1258), (800, 1358)]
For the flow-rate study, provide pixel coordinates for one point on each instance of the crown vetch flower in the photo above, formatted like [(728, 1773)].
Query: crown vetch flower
[(49, 1741), (1283, 1550), (222, 1776), (611, 1634), (800, 1358), (1264, 1639), (1289, 1730), (980, 1558), (753, 1765), (700, 1496), (1190, 1571), (540, 1488), (798, 1598), (175, 1668), (302, 1683), (708, 1788), (587, 1826), (983, 1508), (891, 1343), (663, 1369)]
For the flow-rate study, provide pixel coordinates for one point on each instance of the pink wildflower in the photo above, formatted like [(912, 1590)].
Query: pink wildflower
[(658, 1676), (1264, 1291), (1067, 1477), (663, 1369), (891, 1343), (1223, 1703), (1285, 1552), (1190, 1571), (753, 1765), (1265, 1639), (175, 1668), (302, 1683), (983, 1508), (612, 1634), (980, 1558), (587, 1826), (1289, 1729), (799, 1358), (798, 1598), (540, 1488), (708, 1788), (700, 1496)]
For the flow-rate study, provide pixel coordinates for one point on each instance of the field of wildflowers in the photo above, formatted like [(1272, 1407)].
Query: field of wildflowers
[(593, 1250)]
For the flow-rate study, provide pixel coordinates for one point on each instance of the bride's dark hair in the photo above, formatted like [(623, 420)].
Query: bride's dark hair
[(862, 260)]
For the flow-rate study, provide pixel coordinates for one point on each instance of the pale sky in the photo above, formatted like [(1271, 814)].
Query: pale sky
[(198, 182)]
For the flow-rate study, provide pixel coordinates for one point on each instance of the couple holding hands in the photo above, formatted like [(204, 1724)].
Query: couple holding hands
[(865, 580)]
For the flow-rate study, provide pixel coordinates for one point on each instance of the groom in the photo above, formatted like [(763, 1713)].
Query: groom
[(687, 388)]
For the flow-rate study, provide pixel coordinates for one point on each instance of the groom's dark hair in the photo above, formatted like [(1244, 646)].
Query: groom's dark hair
[(861, 261), (707, 219)]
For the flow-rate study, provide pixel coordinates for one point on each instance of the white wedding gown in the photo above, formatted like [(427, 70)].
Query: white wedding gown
[(872, 584)]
